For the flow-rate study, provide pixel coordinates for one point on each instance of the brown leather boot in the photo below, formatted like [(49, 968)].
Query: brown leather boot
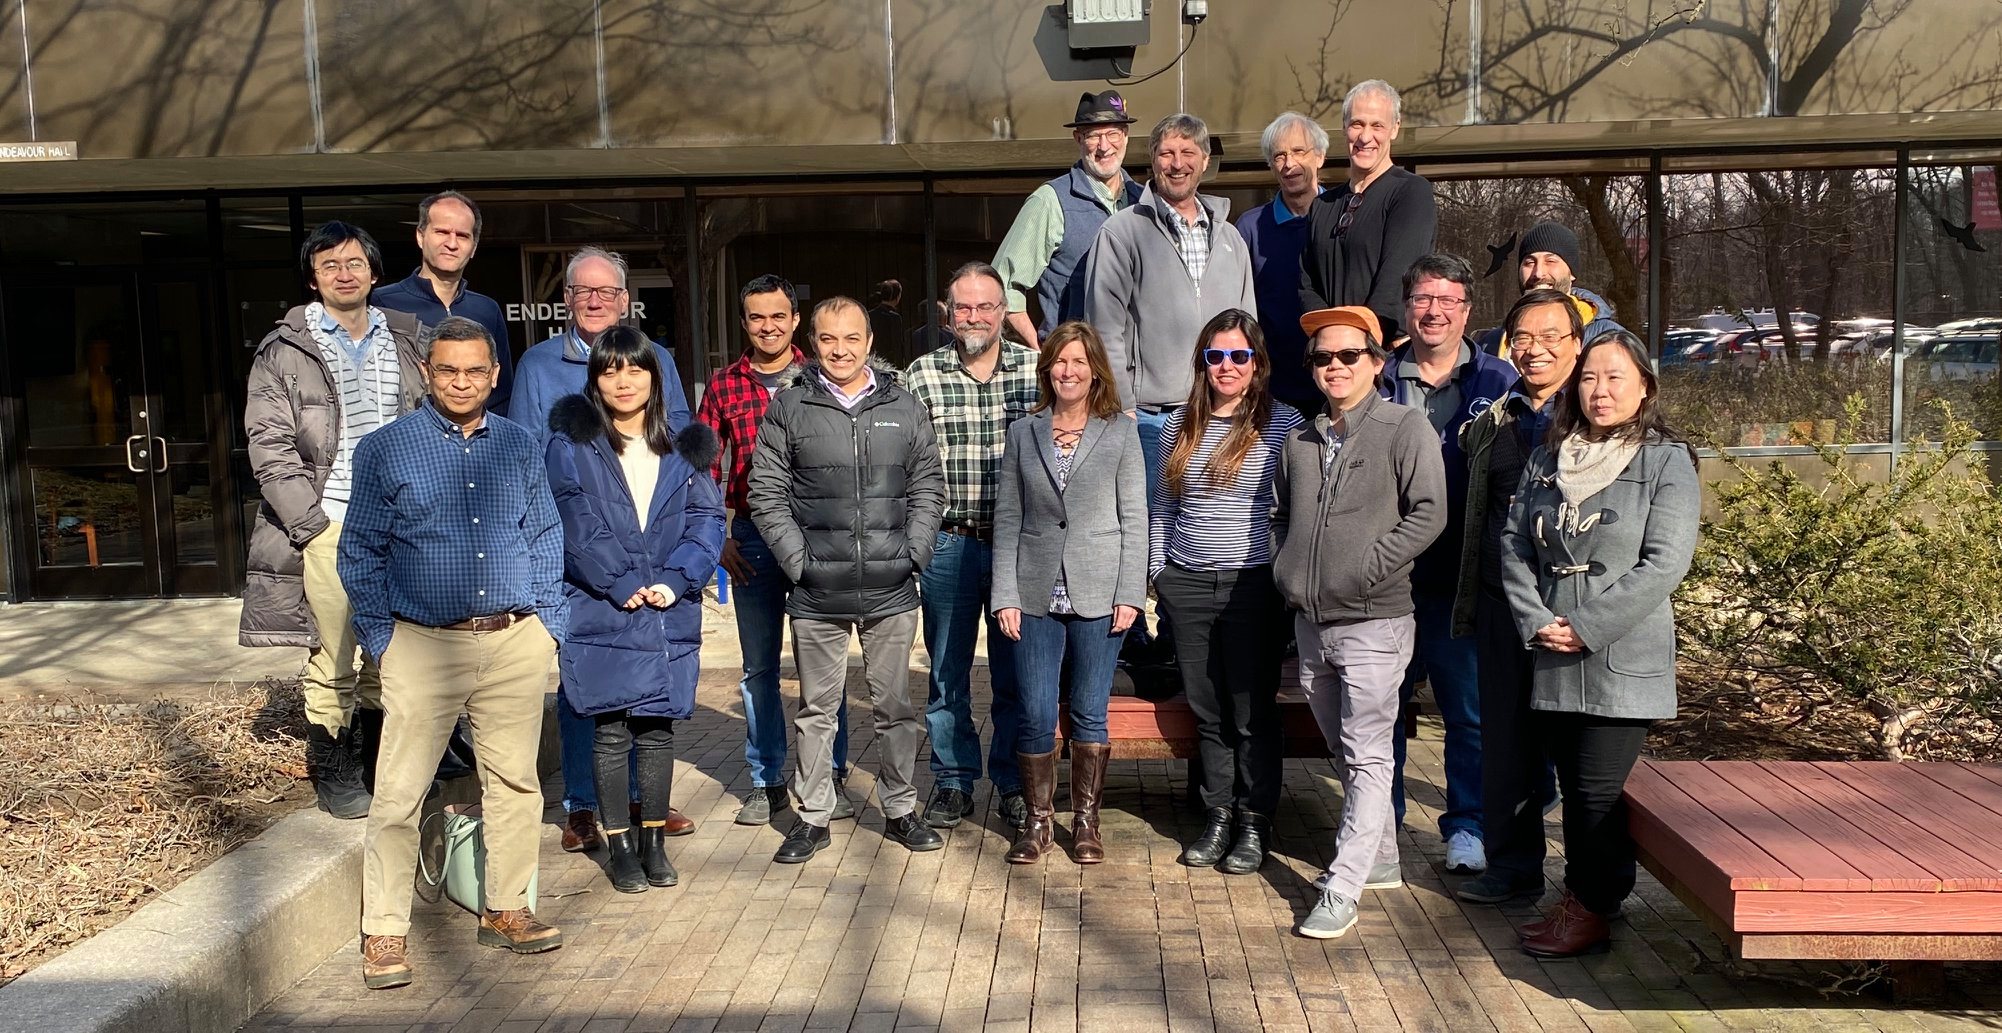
[(1039, 790), (580, 832), (1087, 786), (519, 931), (1570, 929), (385, 962)]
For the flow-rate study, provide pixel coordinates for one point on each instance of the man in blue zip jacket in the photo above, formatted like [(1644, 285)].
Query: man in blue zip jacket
[(1439, 369), (448, 233)]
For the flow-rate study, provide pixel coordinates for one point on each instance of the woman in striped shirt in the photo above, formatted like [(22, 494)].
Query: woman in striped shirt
[(1210, 555)]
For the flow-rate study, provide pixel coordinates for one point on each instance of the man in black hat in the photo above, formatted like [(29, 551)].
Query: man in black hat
[(1045, 249), (1548, 257)]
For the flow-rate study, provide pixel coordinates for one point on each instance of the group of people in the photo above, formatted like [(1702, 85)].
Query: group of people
[(1283, 426)]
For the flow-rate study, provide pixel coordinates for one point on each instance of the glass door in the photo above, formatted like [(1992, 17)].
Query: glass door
[(118, 478)]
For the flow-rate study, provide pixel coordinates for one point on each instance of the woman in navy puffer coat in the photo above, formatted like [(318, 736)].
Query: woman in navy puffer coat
[(633, 578)]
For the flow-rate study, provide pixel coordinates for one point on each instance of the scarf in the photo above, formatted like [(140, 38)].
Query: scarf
[(1585, 467)]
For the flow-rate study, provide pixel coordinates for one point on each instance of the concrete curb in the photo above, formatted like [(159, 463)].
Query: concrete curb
[(213, 951)]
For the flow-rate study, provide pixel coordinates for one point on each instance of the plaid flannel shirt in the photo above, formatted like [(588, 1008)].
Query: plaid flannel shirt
[(733, 406), (971, 421), (1192, 240)]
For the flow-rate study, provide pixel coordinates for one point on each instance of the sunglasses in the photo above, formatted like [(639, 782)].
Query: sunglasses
[(1349, 357), (1237, 356)]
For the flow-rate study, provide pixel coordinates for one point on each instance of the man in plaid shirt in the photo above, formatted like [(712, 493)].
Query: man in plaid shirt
[(733, 406), (973, 389)]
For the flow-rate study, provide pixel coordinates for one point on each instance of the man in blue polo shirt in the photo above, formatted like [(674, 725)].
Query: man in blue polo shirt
[(1276, 232), (448, 232)]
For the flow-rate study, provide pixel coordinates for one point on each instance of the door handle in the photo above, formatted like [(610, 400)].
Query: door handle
[(160, 454), (132, 458)]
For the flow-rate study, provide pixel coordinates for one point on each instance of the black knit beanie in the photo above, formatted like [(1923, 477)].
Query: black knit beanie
[(1554, 238)]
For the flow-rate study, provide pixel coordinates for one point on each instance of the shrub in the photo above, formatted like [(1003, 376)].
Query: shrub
[(1884, 595)]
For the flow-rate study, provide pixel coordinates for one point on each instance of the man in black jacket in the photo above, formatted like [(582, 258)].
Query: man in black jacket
[(847, 490), (1366, 232)]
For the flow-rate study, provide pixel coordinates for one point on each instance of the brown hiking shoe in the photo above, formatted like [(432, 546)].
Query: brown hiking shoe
[(385, 962), (580, 832), (518, 931)]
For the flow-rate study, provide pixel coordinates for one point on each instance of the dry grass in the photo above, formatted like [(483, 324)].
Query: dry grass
[(104, 806)]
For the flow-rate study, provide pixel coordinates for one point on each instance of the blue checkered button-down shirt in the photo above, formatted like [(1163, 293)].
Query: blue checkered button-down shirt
[(443, 528)]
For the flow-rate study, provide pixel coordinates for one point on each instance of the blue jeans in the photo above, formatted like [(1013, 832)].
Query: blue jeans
[(1039, 661), (761, 611), (1453, 666), (578, 735), (1150, 443), (953, 595)]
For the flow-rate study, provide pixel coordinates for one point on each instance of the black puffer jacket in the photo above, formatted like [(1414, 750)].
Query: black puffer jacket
[(848, 499)]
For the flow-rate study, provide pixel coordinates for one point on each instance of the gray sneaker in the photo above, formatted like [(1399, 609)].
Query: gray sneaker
[(1380, 877), (1333, 916), (844, 808), (761, 804)]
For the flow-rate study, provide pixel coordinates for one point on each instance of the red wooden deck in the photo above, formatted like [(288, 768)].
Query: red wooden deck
[(1141, 730), (1792, 859)]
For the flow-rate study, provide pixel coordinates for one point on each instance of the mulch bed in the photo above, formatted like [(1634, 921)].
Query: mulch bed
[(104, 806)]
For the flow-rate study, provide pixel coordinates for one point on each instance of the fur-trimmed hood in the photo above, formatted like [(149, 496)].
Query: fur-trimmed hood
[(574, 417), (807, 374)]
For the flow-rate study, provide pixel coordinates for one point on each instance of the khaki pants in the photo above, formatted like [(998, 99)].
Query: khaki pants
[(820, 652), (1352, 671), (428, 675), (331, 685)]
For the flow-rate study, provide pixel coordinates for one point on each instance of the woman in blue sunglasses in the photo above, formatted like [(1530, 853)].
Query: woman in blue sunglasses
[(1210, 556)]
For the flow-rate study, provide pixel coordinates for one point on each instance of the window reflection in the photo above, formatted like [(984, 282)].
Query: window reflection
[(1953, 294)]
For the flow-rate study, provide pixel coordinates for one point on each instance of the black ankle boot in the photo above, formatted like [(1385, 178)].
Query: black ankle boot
[(624, 865), (653, 856), (1210, 847), (1248, 853), (334, 762)]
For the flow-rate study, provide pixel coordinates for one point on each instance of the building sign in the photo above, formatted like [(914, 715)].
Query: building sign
[(556, 312), (1987, 207), (55, 150)]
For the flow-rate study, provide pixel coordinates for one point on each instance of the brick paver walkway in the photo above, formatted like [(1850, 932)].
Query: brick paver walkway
[(871, 937)]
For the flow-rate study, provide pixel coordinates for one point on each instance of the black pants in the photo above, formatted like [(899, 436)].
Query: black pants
[(1229, 629), (1594, 755), (1514, 765), (618, 736)]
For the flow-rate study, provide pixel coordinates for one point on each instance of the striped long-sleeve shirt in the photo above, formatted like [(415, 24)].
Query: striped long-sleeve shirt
[(368, 378), (1217, 527)]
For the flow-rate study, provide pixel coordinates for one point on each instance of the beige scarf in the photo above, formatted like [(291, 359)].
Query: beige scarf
[(1585, 467)]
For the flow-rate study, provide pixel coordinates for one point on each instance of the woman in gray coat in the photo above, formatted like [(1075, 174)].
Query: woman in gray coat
[(1604, 523), (1070, 574)]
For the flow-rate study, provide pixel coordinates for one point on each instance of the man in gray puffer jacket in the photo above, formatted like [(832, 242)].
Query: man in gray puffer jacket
[(847, 490), (331, 371)]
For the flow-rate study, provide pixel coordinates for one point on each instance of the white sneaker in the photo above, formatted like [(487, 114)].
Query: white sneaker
[(1465, 855)]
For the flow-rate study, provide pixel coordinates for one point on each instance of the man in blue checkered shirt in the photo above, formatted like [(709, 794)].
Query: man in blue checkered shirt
[(452, 557)]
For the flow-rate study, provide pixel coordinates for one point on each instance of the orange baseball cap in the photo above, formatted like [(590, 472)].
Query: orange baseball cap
[(1357, 316)]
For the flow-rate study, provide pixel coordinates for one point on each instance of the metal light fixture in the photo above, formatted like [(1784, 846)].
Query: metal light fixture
[(1106, 24)]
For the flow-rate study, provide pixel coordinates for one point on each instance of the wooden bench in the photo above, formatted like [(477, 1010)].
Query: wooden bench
[(1856, 861)]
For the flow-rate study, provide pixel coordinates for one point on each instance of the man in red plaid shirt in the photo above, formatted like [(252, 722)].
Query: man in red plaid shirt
[(733, 405)]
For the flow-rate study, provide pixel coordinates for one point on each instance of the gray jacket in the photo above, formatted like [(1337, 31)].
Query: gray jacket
[(292, 419), (1634, 556), (1139, 298), (1345, 549), (1094, 532)]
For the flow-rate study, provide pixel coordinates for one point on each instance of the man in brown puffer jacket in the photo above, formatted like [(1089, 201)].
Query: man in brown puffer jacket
[(329, 373)]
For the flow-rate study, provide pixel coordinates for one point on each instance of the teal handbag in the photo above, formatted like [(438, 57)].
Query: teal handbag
[(463, 868)]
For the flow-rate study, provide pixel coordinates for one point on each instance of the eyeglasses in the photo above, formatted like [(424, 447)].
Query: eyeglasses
[(985, 308), (602, 293), (1349, 357), (352, 265), (1549, 339), (447, 374), (1348, 214), (1442, 302), (1237, 356), (1104, 136)]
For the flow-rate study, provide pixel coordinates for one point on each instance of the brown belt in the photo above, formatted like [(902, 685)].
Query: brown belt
[(493, 622), (978, 534)]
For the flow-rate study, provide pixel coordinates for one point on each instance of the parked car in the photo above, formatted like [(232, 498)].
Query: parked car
[(1686, 347), (1963, 356)]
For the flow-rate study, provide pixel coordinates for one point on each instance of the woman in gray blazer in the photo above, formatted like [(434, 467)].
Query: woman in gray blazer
[(1070, 574), (1603, 527)]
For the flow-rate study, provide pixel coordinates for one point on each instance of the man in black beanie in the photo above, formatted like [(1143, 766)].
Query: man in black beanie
[(1547, 257)]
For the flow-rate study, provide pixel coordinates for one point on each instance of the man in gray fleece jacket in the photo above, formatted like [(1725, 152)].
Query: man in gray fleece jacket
[(1157, 272), (1360, 493)]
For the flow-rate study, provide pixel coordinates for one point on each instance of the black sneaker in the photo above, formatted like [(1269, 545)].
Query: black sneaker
[(804, 841), (948, 807), (1015, 809), (915, 835)]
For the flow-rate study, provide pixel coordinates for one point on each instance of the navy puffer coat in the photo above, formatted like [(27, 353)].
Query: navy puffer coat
[(644, 660)]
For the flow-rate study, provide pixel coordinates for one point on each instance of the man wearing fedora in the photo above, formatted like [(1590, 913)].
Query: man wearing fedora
[(1044, 251)]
